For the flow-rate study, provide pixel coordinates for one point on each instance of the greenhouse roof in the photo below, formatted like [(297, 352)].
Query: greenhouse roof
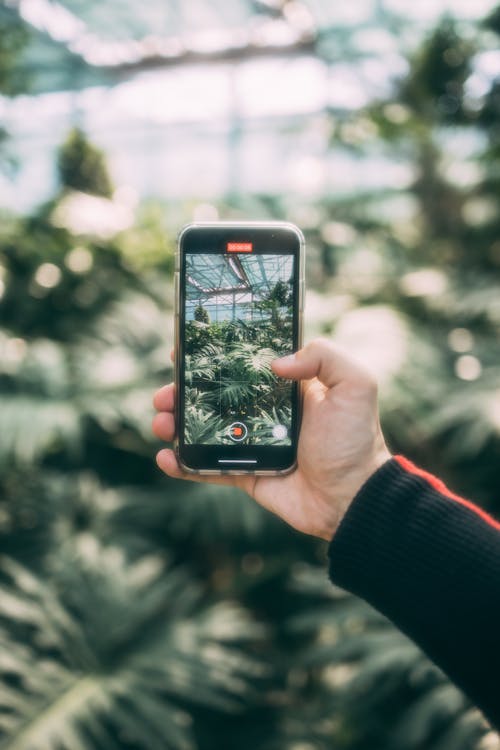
[(103, 42), (210, 275), (80, 43), (199, 96)]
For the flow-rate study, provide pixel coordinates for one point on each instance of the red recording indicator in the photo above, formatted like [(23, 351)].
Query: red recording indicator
[(237, 431), (239, 247)]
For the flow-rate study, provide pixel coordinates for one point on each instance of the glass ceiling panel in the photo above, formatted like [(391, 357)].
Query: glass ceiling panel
[(115, 19), (127, 36), (173, 116), (229, 287), (222, 274), (105, 42)]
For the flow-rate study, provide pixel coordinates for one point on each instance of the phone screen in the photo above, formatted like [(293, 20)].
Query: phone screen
[(239, 310)]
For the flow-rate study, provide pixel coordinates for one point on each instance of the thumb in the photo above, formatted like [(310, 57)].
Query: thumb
[(323, 359)]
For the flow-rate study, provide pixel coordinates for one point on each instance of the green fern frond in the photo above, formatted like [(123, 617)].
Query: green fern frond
[(468, 417), (88, 661), (233, 393), (202, 426), (253, 361), (33, 426)]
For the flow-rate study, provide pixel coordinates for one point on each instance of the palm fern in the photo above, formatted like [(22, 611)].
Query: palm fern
[(35, 426), (107, 644), (235, 393), (204, 364), (255, 362), (85, 667), (234, 377), (202, 426), (51, 389)]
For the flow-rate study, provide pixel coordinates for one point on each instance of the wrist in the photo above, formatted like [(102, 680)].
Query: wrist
[(346, 490)]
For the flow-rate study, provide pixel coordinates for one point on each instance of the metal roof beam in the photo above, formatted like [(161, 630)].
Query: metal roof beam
[(192, 57)]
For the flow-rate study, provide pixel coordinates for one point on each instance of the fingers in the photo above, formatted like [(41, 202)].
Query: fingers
[(164, 398), (167, 462), (172, 355), (164, 426), (324, 360), (163, 422)]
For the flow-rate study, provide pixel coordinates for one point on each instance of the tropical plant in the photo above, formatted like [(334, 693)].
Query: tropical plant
[(202, 425), (85, 667), (230, 366), (233, 381), (82, 166), (118, 620), (279, 305), (111, 636), (201, 314)]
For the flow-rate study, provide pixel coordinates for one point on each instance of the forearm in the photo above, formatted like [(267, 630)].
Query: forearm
[(430, 561)]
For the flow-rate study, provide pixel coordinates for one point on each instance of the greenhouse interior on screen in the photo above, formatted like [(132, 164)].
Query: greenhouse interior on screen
[(239, 317), (140, 612)]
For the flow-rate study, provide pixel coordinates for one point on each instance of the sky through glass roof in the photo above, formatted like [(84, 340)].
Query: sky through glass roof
[(229, 287), (215, 98), (104, 41), (224, 274)]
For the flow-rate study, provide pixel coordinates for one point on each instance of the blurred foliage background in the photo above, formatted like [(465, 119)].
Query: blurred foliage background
[(138, 612)]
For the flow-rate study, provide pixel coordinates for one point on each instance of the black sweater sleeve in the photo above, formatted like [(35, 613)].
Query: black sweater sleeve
[(430, 561)]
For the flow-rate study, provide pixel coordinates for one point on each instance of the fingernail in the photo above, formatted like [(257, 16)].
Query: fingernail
[(160, 456)]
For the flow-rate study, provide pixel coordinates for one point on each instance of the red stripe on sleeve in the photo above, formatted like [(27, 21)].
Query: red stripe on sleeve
[(440, 487)]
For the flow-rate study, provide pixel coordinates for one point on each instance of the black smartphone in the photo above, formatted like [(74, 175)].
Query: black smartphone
[(239, 300)]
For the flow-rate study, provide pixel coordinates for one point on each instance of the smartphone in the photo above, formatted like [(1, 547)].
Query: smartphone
[(239, 300)]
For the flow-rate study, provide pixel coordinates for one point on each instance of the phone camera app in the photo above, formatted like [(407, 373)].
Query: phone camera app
[(239, 317)]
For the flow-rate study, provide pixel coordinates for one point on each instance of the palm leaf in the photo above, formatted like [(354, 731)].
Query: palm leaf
[(89, 666), (201, 426), (235, 392), (255, 362), (33, 426)]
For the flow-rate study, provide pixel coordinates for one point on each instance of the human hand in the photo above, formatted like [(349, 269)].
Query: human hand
[(340, 443)]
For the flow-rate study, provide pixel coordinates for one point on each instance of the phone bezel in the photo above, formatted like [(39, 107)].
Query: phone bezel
[(268, 238)]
